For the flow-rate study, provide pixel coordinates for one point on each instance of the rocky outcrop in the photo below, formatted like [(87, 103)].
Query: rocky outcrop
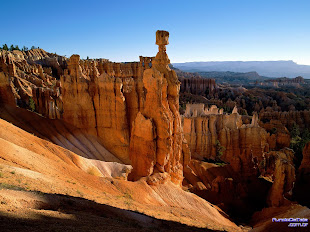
[(222, 137)]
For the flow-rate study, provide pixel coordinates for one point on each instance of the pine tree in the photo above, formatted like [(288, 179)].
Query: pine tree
[(5, 47), (11, 47)]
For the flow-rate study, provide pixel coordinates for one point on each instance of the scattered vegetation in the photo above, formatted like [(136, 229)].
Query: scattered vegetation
[(71, 182)]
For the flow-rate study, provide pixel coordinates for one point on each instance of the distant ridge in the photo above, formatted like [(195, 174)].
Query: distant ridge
[(281, 68)]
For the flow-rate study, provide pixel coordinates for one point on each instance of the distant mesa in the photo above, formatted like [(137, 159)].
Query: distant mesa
[(264, 68)]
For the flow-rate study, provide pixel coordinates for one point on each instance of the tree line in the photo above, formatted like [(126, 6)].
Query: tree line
[(16, 47)]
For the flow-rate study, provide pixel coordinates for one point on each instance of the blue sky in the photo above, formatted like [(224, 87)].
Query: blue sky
[(206, 30)]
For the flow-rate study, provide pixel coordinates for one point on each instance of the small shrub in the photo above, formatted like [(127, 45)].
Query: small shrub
[(220, 164), (219, 149), (127, 195), (10, 186), (273, 131), (32, 104), (80, 193)]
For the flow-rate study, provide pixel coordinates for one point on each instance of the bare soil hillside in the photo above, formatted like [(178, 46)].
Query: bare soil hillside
[(45, 187)]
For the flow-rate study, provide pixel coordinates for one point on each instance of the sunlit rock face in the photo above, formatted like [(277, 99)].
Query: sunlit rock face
[(133, 107)]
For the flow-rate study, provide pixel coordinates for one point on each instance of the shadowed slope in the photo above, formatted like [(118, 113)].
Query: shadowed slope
[(58, 132)]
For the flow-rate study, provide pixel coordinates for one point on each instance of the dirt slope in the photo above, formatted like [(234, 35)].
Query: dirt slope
[(31, 166)]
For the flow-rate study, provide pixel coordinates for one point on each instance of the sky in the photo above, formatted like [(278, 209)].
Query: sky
[(200, 30)]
